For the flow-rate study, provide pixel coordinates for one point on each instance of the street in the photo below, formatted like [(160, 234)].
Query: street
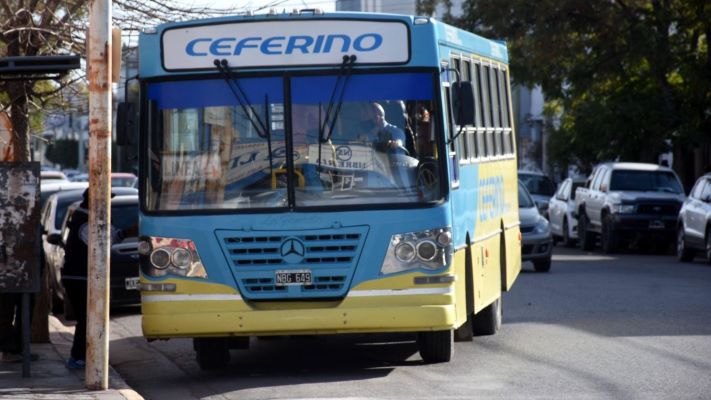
[(630, 326)]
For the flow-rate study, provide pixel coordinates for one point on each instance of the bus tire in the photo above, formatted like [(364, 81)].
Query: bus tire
[(488, 320), (211, 353), (436, 346)]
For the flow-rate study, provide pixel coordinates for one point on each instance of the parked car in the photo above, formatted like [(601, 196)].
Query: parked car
[(561, 208), (628, 202), (123, 179), (694, 225), (124, 255), (80, 178), (46, 176), (51, 187), (540, 187), (537, 242)]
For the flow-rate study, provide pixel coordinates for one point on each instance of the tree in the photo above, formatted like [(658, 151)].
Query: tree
[(630, 76), (51, 27)]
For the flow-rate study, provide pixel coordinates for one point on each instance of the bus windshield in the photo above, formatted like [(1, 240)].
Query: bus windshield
[(377, 146)]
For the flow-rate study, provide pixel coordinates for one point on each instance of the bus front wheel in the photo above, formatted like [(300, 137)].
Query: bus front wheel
[(436, 346), (211, 353)]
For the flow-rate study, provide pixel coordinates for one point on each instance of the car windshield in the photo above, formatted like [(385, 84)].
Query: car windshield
[(538, 184), (212, 152), (124, 216), (122, 182), (524, 199), (645, 181), (62, 207)]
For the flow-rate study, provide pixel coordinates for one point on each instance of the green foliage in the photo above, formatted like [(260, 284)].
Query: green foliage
[(628, 75), (64, 152)]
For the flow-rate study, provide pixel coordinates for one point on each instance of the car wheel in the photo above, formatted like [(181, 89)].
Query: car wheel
[(211, 353), (708, 245), (609, 237), (567, 240), (488, 320), (683, 253), (436, 346), (586, 239), (542, 265)]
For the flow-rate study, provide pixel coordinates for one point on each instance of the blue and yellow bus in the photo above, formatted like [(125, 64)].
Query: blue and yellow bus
[(311, 173)]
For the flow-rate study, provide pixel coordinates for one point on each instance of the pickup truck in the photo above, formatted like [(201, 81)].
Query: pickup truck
[(627, 203)]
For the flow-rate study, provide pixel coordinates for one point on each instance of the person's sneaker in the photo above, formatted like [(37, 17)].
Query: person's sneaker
[(73, 363)]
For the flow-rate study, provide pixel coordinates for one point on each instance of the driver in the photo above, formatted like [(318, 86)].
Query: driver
[(376, 129)]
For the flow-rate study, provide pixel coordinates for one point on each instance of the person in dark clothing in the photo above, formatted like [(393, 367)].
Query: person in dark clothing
[(75, 272)]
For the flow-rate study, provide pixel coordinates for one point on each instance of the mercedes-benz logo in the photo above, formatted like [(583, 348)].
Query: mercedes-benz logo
[(292, 250)]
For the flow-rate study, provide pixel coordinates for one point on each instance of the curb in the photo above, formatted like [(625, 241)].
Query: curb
[(65, 334)]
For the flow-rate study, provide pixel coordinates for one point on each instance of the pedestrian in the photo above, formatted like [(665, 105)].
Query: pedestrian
[(75, 272), (10, 322)]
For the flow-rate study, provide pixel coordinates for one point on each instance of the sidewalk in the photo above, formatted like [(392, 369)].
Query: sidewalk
[(50, 379)]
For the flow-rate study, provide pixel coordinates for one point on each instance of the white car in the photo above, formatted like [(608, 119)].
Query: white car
[(560, 212), (694, 225)]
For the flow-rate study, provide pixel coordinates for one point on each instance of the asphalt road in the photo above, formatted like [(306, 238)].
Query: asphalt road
[(628, 326)]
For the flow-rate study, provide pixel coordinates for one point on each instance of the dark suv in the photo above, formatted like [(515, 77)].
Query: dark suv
[(124, 254)]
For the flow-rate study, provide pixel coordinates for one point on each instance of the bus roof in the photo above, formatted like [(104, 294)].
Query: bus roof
[(305, 41)]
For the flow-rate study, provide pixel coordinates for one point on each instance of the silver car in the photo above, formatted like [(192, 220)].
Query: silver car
[(537, 241), (560, 212), (539, 186), (694, 225)]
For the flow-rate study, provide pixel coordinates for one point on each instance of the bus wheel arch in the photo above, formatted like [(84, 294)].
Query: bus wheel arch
[(503, 257), (465, 333)]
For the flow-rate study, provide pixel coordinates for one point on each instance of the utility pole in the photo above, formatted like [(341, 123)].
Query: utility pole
[(99, 71)]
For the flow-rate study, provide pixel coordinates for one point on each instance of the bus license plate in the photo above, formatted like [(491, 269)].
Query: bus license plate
[(300, 277)]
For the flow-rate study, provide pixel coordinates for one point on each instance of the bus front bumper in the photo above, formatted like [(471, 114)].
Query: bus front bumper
[(206, 318)]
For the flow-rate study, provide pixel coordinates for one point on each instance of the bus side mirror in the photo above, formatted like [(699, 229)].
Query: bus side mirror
[(125, 122), (463, 103)]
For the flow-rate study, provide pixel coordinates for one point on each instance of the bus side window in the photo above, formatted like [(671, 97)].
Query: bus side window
[(505, 116), (486, 102), (480, 121)]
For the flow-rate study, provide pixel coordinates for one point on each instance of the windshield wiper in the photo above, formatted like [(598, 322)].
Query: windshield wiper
[(260, 127), (344, 74)]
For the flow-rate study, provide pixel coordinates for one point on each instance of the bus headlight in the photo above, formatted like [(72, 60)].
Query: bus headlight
[(168, 256), (405, 252), (429, 250)]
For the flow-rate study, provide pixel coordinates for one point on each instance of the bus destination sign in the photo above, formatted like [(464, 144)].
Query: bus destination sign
[(280, 43)]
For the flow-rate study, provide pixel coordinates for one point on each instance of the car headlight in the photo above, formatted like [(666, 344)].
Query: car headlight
[(165, 256), (429, 250), (623, 208), (541, 226)]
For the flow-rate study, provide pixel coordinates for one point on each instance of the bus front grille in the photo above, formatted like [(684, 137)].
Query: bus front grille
[(329, 255)]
